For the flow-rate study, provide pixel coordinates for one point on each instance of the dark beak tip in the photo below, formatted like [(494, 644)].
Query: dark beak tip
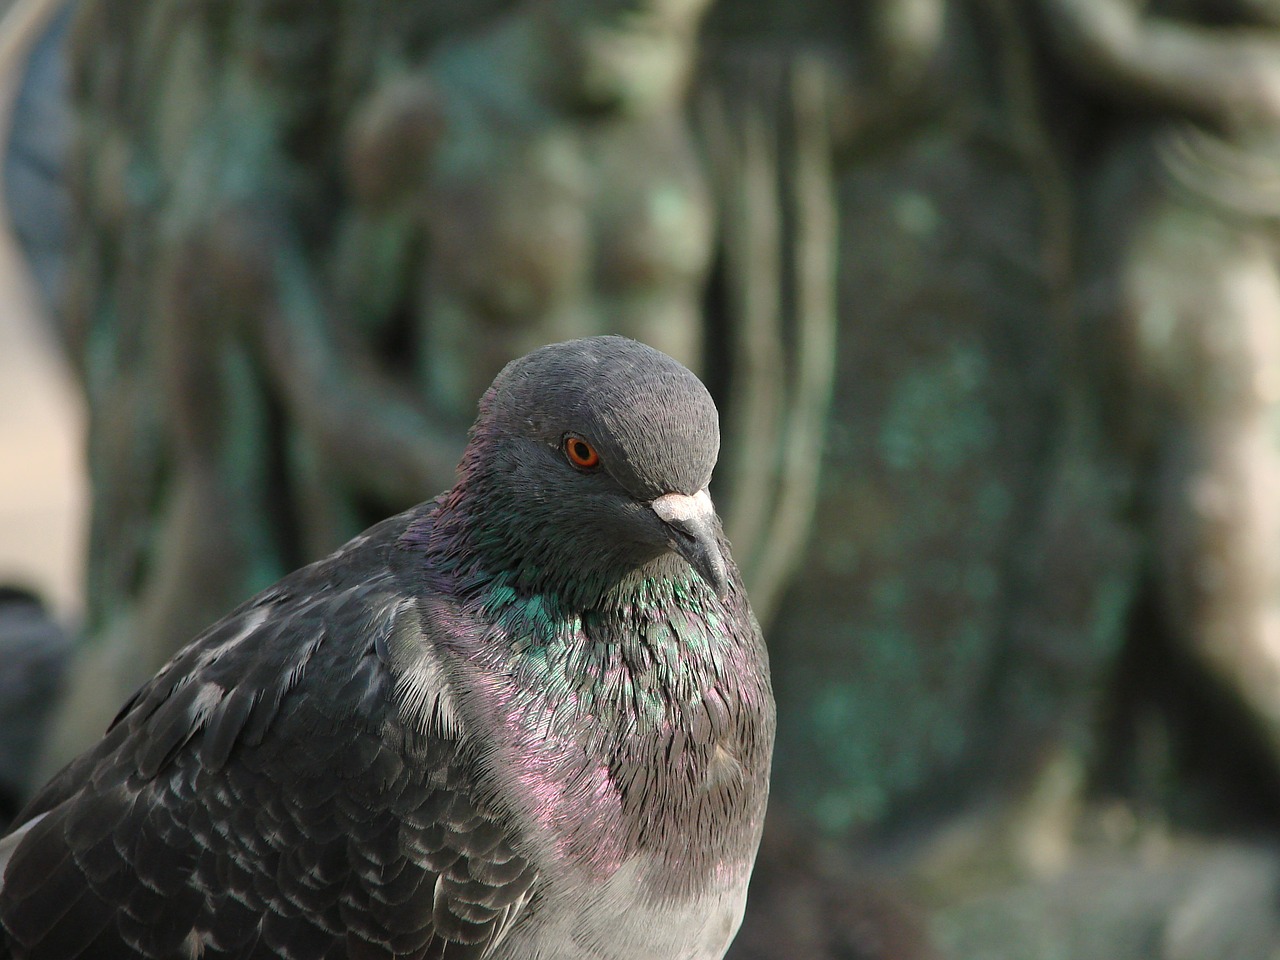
[(717, 577), (707, 561), (720, 587), (695, 536)]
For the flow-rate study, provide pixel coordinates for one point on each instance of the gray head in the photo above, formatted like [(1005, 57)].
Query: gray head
[(590, 461)]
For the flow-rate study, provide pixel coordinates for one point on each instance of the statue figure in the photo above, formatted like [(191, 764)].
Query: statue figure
[(1186, 295), (302, 262), (551, 175)]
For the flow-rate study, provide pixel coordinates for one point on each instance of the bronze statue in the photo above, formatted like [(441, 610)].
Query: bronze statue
[(289, 292)]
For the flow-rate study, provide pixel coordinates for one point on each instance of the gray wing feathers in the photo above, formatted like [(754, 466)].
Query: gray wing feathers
[(295, 783), (10, 843)]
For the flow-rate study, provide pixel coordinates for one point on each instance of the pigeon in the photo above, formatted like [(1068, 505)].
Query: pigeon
[(528, 720)]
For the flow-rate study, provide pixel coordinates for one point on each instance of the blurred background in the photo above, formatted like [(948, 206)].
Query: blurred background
[(988, 292)]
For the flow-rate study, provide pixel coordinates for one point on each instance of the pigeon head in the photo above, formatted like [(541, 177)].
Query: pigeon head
[(588, 464)]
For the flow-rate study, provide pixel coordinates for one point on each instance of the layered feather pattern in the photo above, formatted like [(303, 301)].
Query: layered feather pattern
[(515, 723)]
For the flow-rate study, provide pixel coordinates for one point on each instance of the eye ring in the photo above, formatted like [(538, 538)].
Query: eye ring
[(580, 453)]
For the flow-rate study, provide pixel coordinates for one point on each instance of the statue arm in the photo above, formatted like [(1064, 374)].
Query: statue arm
[(1227, 75)]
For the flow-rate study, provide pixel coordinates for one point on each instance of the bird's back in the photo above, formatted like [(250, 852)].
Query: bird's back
[(349, 765), (266, 794)]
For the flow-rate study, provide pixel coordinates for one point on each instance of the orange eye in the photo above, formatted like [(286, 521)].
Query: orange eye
[(581, 454)]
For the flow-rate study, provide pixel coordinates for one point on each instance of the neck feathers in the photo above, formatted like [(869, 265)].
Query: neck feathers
[(630, 719), (653, 714)]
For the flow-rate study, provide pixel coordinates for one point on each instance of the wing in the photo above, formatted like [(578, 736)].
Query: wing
[(294, 783)]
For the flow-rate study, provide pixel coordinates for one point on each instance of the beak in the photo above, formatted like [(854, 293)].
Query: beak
[(694, 530)]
